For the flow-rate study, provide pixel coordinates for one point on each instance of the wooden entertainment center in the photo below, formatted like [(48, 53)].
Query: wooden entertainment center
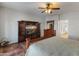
[(24, 32)]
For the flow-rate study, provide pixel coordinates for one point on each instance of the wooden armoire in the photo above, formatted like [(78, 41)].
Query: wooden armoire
[(22, 31)]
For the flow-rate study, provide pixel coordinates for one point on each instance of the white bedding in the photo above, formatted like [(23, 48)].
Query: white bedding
[(54, 46)]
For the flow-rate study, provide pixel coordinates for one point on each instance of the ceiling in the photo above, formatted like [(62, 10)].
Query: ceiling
[(31, 8)]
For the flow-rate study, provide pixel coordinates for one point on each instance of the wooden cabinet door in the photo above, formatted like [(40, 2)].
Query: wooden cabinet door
[(21, 30)]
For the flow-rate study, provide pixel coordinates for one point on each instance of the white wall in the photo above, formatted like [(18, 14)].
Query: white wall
[(2, 23), (73, 26), (9, 23)]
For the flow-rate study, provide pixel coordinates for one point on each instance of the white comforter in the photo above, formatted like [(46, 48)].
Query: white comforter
[(54, 46)]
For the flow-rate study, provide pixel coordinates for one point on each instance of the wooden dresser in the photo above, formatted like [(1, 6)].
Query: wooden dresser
[(49, 33)]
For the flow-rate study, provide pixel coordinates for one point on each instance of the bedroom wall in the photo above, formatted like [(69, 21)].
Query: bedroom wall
[(2, 23), (73, 25), (9, 23)]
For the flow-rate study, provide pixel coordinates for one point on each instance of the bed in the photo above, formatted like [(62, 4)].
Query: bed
[(54, 46)]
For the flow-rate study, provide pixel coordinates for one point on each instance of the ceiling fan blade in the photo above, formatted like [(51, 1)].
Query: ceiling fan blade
[(43, 11), (41, 8), (55, 8)]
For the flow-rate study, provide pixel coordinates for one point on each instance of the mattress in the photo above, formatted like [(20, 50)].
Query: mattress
[(54, 46)]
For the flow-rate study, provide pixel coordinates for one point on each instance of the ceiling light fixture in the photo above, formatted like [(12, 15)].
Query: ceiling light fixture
[(50, 7)]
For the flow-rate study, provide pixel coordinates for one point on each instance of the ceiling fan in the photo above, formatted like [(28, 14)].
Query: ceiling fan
[(49, 7)]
